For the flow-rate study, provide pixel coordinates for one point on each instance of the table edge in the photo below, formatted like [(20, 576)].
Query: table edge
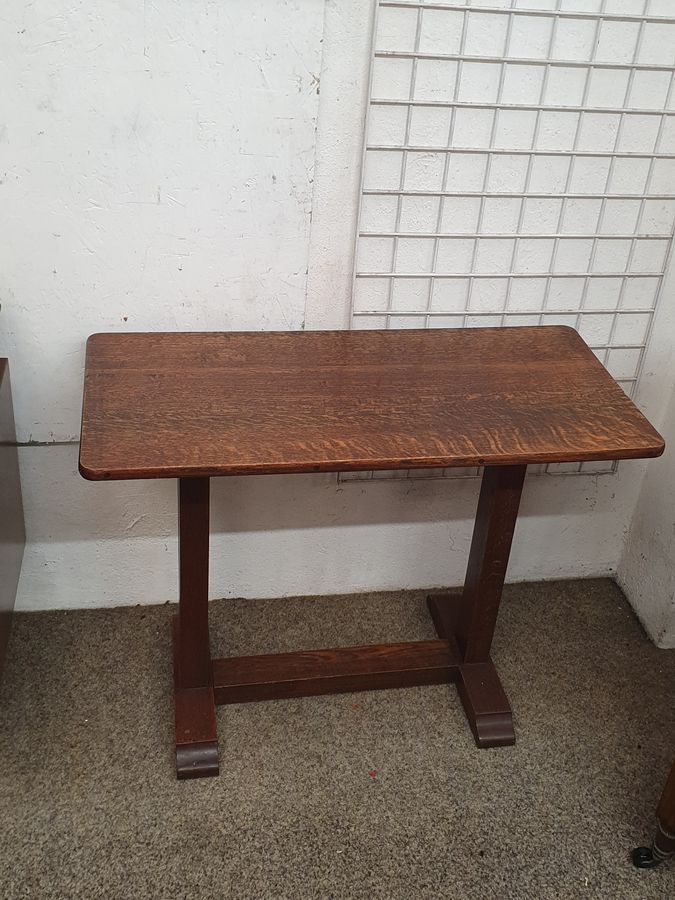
[(648, 450), (94, 473)]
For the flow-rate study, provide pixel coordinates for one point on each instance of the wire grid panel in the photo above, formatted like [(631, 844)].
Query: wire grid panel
[(519, 169)]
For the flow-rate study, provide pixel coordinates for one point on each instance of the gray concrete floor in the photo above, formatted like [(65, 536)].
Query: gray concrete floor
[(378, 795)]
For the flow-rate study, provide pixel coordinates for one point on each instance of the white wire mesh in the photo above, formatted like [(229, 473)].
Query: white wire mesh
[(519, 168)]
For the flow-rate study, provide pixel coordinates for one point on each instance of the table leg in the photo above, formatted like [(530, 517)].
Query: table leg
[(195, 712), (471, 618), (663, 846)]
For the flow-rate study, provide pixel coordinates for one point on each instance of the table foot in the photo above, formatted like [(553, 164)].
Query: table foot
[(486, 705), (484, 700), (197, 760), (444, 609), (195, 721)]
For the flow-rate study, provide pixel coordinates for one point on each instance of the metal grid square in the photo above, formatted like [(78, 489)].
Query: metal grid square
[(519, 168)]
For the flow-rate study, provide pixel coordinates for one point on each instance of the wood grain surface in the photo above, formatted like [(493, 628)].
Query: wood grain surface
[(310, 672), (194, 718), (164, 405)]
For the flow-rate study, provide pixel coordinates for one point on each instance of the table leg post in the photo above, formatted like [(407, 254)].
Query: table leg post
[(471, 619), (195, 715)]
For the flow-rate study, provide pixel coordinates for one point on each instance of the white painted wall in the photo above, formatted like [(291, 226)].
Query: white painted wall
[(647, 567), (157, 174), (206, 101), (115, 543)]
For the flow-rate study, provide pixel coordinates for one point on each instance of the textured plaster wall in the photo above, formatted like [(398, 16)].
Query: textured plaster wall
[(156, 165), (173, 165), (647, 567)]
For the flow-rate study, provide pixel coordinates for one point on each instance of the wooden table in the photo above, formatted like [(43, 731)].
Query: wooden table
[(192, 406)]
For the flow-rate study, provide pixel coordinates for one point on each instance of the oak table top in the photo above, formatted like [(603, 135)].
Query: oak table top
[(188, 404)]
